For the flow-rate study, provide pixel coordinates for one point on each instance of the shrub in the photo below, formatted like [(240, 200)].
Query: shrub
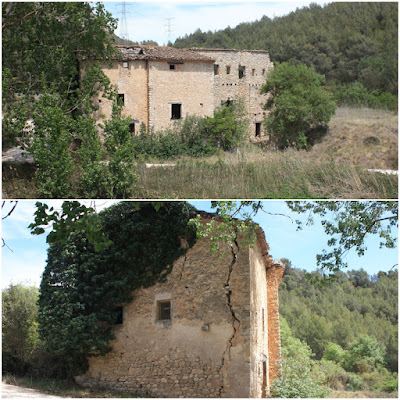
[(356, 93), (297, 103), (365, 355), (19, 327), (334, 352)]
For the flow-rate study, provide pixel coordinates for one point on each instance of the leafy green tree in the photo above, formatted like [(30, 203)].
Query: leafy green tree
[(82, 287), (228, 127), (297, 102), (365, 354), (299, 377), (334, 352), (19, 327), (47, 103)]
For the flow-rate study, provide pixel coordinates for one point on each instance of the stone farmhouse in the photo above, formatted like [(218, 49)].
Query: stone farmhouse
[(159, 84), (211, 330)]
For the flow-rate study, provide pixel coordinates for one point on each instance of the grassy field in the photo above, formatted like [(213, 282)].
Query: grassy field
[(335, 167)]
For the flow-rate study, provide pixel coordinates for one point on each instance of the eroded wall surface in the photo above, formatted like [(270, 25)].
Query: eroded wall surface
[(255, 64), (189, 84), (259, 325), (203, 350)]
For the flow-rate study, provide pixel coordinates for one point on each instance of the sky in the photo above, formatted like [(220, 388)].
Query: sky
[(24, 256), (150, 20)]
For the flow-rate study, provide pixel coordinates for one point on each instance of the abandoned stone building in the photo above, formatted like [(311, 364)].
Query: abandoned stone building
[(211, 330), (159, 85)]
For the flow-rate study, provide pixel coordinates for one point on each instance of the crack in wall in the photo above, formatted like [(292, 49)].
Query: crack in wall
[(235, 319)]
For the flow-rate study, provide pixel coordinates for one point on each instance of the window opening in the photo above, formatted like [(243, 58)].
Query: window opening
[(264, 380), (216, 69), (121, 98), (132, 127), (176, 111), (263, 71), (228, 69), (171, 66), (119, 315), (125, 65), (164, 310), (258, 133), (241, 71), (253, 72)]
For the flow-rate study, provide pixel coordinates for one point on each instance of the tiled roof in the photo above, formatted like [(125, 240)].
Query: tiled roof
[(147, 52)]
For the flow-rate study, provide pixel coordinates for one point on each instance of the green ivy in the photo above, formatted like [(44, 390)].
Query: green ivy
[(81, 287)]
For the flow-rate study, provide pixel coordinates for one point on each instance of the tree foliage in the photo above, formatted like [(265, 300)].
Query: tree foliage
[(19, 327), (346, 42), (336, 318), (81, 287), (300, 376), (47, 102), (297, 103)]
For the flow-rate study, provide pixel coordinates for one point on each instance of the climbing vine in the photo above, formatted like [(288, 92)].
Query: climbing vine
[(81, 287)]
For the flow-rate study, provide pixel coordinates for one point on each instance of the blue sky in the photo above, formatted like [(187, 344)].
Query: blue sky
[(24, 257), (148, 20)]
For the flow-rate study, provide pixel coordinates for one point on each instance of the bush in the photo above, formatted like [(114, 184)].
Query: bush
[(356, 93), (19, 327), (334, 352), (299, 378), (297, 103)]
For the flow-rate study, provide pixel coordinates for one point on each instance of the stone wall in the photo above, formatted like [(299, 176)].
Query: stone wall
[(189, 84), (204, 350), (131, 79), (228, 85)]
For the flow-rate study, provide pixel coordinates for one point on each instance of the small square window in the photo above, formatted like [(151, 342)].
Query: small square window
[(121, 98), (216, 69), (241, 71), (164, 310), (171, 66), (228, 69)]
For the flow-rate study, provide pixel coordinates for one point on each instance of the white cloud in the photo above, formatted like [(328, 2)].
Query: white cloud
[(148, 20)]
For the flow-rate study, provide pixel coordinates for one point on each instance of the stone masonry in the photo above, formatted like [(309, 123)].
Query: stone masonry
[(159, 85), (205, 332)]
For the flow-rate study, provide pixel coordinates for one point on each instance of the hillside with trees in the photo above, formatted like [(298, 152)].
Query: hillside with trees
[(350, 327), (347, 42)]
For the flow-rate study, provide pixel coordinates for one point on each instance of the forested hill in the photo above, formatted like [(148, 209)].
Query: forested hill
[(345, 41), (356, 304)]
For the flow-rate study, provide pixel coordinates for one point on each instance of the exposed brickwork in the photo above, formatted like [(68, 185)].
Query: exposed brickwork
[(274, 277), (216, 341)]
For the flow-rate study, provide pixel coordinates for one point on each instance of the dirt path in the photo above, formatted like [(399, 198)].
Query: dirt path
[(18, 392)]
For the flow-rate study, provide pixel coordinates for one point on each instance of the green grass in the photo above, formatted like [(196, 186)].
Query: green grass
[(335, 167), (65, 388), (283, 177)]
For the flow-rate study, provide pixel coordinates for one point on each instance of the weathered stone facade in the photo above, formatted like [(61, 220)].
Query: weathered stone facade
[(216, 340), (160, 84)]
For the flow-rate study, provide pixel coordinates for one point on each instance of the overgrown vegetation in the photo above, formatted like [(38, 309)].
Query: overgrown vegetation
[(47, 106), (196, 136), (80, 292), (346, 42), (297, 103), (351, 326)]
